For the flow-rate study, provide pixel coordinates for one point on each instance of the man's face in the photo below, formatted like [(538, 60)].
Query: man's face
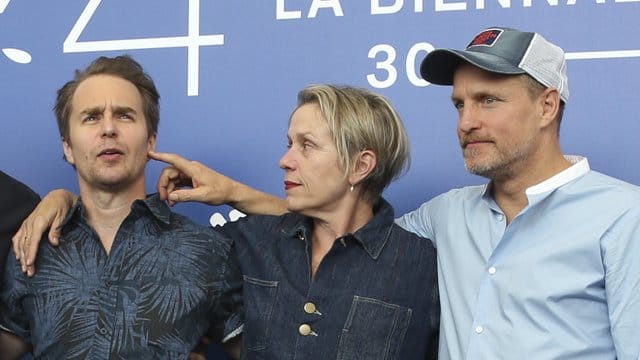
[(108, 139), (498, 122)]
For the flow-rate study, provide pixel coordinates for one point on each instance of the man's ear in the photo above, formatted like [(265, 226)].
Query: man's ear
[(68, 154), (550, 106), (151, 142), (363, 164)]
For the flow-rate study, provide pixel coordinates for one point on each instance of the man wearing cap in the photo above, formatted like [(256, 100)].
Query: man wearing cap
[(540, 263)]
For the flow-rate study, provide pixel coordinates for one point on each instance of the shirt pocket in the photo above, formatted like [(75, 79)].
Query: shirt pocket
[(374, 330), (260, 296)]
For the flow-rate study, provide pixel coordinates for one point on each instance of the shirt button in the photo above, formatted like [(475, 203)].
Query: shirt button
[(479, 329), (492, 270), (304, 329), (310, 308), (500, 217), (103, 331)]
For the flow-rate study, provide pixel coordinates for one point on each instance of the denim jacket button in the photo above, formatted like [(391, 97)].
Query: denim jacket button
[(304, 329), (310, 308)]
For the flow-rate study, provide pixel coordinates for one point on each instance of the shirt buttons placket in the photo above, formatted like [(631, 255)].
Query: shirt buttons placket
[(309, 308), (479, 329), (306, 329)]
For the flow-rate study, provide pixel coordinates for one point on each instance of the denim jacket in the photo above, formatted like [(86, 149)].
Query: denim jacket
[(374, 296)]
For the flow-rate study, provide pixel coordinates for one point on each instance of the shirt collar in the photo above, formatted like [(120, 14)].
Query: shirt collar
[(579, 166), (151, 204), (373, 236)]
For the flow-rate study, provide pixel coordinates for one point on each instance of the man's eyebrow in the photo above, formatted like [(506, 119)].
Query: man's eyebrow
[(123, 110), (93, 110)]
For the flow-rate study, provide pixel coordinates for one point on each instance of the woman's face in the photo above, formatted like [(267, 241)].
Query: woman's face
[(314, 181)]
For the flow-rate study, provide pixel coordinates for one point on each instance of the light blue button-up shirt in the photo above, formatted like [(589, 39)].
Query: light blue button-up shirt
[(561, 281)]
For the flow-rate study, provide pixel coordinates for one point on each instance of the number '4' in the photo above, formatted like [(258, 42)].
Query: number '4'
[(193, 41)]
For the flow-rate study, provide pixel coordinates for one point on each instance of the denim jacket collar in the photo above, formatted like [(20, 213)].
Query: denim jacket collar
[(373, 236)]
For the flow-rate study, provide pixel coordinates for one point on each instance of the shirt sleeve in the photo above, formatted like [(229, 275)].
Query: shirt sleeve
[(419, 221), (13, 317), (17, 202), (620, 248)]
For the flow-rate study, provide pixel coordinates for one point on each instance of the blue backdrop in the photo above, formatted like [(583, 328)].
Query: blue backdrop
[(229, 71)]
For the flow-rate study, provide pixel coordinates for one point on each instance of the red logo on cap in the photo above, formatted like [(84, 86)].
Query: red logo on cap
[(486, 38)]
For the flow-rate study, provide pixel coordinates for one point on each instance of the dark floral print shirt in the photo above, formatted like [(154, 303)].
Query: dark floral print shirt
[(166, 282)]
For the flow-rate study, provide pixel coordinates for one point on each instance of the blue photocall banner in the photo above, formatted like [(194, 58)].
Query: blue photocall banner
[(229, 71)]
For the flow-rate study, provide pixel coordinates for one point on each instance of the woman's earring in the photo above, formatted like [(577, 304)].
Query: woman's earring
[(351, 188)]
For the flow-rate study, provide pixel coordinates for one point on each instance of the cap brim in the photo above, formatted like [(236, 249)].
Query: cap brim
[(439, 65)]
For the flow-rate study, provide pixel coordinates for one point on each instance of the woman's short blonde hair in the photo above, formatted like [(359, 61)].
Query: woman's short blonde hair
[(363, 120)]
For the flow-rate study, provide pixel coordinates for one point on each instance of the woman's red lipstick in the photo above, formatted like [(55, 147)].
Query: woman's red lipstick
[(290, 184)]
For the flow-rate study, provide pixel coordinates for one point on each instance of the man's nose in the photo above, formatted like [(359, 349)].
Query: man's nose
[(468, 119), (109, 127)]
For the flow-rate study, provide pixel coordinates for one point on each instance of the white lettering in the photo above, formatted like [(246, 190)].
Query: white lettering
[(377, 9), (217, 219), (317, 4), (505, 4), (386, 65), (396, 6), (614, 54), (282, 14), (412, 55), (3, 5), (193, 41), (17, 55), (452, 6), (528, 3)]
